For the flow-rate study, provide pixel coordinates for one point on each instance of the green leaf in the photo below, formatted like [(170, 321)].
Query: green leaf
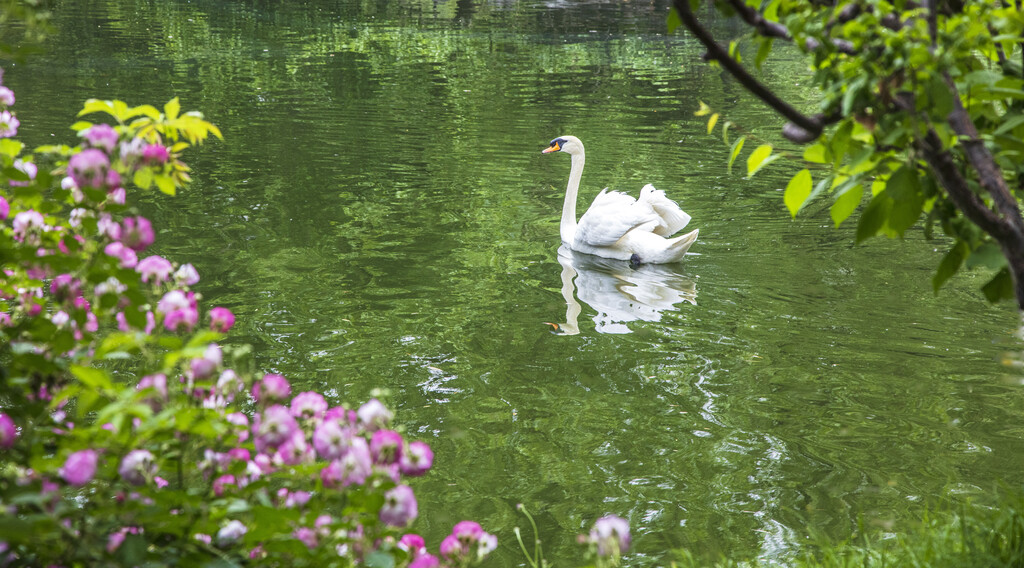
[(1000, 287), (712, 121), (10, 147), (905, 213), (940, 97), (143, 178), (797, 191), (673, 20), (903, 183), (846, 203), (816, 154), (873, 217), (987, 255), (172, 108), (165, 183), (96, 105), (852, 91), (1009, 124), (380, 559), (94, 378), (763, 51), (81, 125), (949, 265), (757, 159), (737, 146), (145, 110)]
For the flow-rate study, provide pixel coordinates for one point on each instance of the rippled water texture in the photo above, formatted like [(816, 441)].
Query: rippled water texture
[(380, 215)]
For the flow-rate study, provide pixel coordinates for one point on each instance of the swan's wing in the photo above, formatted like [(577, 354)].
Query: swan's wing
[(672, 217), (612, 215)]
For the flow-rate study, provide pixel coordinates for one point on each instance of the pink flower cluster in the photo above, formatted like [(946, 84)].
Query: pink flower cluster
[(8, 122)]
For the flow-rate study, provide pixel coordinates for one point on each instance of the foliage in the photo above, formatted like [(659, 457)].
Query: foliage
[(921, 117), (974, 537), (127, 437)]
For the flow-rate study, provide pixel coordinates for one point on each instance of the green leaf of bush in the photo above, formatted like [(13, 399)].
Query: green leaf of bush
[(797, 191)]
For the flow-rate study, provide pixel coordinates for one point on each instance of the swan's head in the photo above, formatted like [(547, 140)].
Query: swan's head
[(568, 144)]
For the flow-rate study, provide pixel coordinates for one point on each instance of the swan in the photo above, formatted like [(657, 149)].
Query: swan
[(616, 225)]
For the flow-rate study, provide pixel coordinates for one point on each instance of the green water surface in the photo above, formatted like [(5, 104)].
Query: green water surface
[(380, 215)]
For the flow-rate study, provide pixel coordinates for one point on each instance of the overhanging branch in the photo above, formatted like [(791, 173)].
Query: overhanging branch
[(802, 129)]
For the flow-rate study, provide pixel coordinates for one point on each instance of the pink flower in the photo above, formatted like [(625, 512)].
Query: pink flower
[(156, 269), (157, 382), (116, 539), (8, 433), (306, 536), (203, 538), (221, 483), (87, 168), (186, 275), (416, 459), (6, 96), (27, 168), (65, 288), (5, 208), (331, 440), (413, 544), (468, 540), (126, 257), (155, 154), (137, 466), (80, 467), (137, 233), (272, 388), (242, 422), (204, 367), (117, 195), (27, 222), (399, 507), (295, 450), (221, 319), (351, 469), (309, 405), (275, 427), (101, 136), (425, 561), (8, 124), (611, 535), (231, 533), (386, 447), (180, 309), (374, 415)]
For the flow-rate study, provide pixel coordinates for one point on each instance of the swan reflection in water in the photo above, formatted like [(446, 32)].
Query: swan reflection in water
[(618, 293)]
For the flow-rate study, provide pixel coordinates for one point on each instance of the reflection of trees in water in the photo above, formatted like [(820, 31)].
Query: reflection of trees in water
[(617, 292)]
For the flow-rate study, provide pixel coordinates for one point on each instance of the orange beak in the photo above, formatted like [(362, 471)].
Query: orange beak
[(550, 149)]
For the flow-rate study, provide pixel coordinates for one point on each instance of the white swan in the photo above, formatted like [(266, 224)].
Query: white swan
[(618, 226)]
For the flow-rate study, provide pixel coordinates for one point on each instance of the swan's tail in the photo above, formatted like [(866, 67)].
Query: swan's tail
[(678, 246), (673, 218)]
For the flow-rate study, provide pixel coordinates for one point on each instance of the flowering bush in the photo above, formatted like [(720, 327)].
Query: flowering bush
[(127, 436)]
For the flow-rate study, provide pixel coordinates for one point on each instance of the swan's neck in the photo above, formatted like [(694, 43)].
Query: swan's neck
[(568, 225)]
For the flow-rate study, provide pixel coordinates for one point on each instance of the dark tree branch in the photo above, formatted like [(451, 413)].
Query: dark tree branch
[(984, 163), (768, 28), (1005, 224), (807, 127)]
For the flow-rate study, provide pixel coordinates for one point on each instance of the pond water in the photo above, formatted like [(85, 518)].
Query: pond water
[(380, 216)]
